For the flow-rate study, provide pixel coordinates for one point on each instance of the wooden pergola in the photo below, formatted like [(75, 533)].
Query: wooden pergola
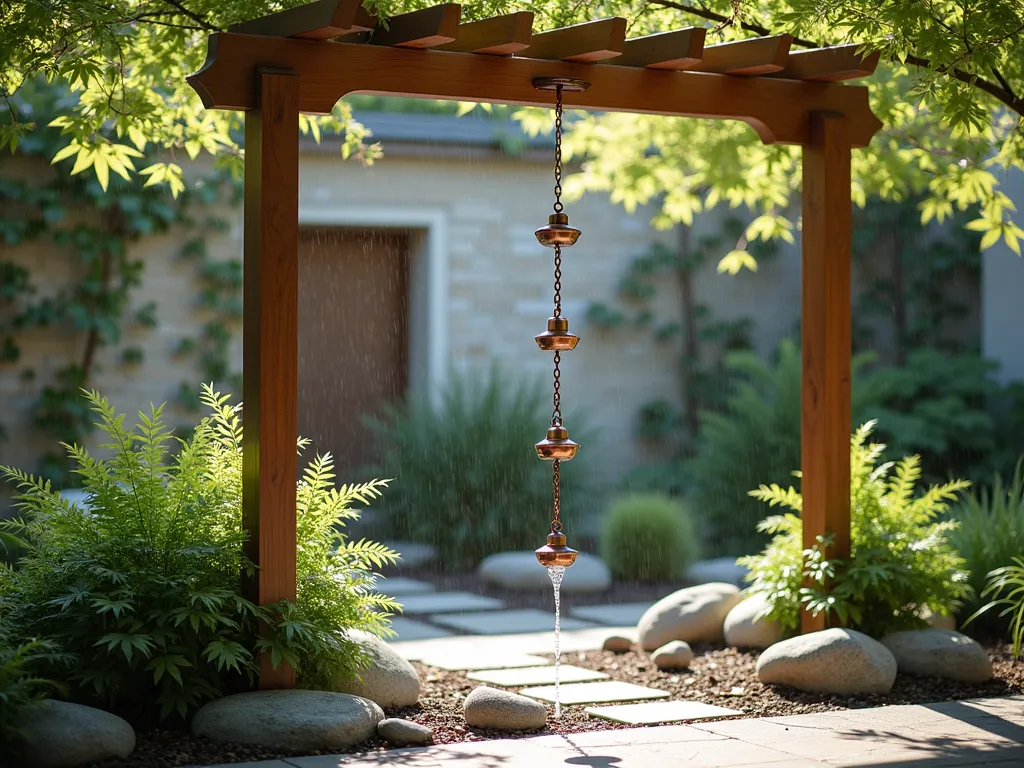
[(305, 59)]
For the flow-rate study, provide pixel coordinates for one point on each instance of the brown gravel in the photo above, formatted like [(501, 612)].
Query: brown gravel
[(725, 677)]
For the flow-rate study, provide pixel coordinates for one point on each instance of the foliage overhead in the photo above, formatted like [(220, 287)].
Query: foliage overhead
[(949, 92), (140, 593), (901, 558)]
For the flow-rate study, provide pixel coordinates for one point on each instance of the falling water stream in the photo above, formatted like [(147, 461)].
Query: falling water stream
[(556, 572)]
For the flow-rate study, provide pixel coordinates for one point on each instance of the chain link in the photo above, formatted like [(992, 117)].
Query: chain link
[(556, 524), (558, 281), (558, 149), (556, 413)]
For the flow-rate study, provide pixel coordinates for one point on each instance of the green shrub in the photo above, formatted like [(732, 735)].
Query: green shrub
[(901, 557), (20, 689), (648, 538), (141, 593), (467, 477), (990, 535)]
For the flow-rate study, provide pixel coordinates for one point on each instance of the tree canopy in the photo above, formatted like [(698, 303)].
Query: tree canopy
[(950, 91)]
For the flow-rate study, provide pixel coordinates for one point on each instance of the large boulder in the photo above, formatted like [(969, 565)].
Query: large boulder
[(694, 614), (674, 655), (299, 721), (939, 653), (520, 570), (829, 661), (64, 735), (487, 707), (389, 680), (745, 627)]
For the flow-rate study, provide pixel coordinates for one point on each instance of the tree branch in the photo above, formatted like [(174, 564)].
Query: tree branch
[(194, 16), (1002, 92)]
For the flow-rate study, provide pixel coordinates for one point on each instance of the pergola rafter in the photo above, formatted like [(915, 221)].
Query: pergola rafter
[(304, 59)]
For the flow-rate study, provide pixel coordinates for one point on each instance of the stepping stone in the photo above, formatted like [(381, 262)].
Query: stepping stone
[(441, 602), (594, 693), (410, 629), (506, 622), (458, 661), (412, 554), (399, 586), (660, 712), (514, 678), (622, 614)]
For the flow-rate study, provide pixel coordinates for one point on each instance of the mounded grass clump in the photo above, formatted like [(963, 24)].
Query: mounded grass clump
[(648, 537)]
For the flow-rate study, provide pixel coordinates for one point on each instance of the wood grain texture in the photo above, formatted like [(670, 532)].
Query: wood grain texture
[(680, 49), (269, 344), (424, 28), (777, 109), (746, 58), (497, 36), (825, 332), (830, 65), (315, 21), (584, 43)]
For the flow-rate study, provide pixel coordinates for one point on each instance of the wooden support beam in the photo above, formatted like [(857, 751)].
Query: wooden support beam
[(583, 43), (777, 109), (825, 332), (681, 49), (316, 21), (270, 344), (425, 28), (757, 56), (829, 65), (497, 36)]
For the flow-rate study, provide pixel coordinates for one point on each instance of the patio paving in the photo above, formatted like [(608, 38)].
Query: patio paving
[(620, 613), (399, 586), (594, 693), (985, 733), (503, 622), (410, 629), (511, 645), (449, 602), (514, 678), (654, 712), (464, 662)]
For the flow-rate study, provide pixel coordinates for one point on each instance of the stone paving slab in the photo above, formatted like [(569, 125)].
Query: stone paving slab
[(462, 662), (445, 602), (399, 586), (514, 678), (594, 693), (652, 713), (529, 642), (502, 622), (410, 629), (412, 554), (620, 613)]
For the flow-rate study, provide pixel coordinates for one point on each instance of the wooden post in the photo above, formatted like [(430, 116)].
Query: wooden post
[(825, 324), (270, 340)]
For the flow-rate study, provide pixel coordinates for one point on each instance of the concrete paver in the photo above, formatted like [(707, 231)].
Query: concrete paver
[(468, 661), (410, 629), (399, 586), (654, 712), (444, 602), (502, 622), (527, 642), (594, 693), (615, 614), (514, 678)]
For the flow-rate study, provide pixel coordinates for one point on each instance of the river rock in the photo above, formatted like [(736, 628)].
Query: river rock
[(389, 680), (829, 661), (694, 614), (404, 733), (674, 655), (744, 628), (939, 653), (724, 569), (617, 644), (520, 570), (301, 721), (64, 735), (488, 707)]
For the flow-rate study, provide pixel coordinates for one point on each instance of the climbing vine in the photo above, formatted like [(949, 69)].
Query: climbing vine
[(90, 232)]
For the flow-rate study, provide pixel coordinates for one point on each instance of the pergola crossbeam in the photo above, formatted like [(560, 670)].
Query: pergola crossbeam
[(747, 58), (425, 28), (829, 65), (321, 20), (679, 49), (497, 36), (585, 43)]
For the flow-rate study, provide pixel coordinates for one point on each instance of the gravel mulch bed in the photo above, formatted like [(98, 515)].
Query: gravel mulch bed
[(724, 677)]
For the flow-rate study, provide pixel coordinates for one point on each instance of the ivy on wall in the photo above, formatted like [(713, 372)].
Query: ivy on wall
[(91, 231)]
